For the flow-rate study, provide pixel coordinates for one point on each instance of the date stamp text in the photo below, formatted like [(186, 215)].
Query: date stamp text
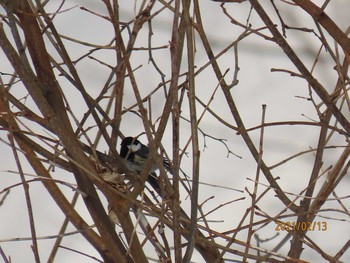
[(301, 226)]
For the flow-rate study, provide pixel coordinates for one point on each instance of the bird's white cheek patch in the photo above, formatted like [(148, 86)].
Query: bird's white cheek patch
[(135, 147)]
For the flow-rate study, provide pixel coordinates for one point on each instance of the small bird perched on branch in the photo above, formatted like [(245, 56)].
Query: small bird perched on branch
[(134, 154)]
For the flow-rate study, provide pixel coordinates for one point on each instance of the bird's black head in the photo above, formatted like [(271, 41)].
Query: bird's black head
[(128, 146)]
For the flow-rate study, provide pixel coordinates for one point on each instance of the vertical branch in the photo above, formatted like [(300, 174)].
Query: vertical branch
[(120, 73), (194, 131), (27, 197), (177, 41), (256, 184), (298, 236)]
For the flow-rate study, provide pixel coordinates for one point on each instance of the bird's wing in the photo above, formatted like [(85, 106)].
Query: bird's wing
[(167, 166)]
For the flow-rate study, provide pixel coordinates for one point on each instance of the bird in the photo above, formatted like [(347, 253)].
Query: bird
[(135, 155)]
